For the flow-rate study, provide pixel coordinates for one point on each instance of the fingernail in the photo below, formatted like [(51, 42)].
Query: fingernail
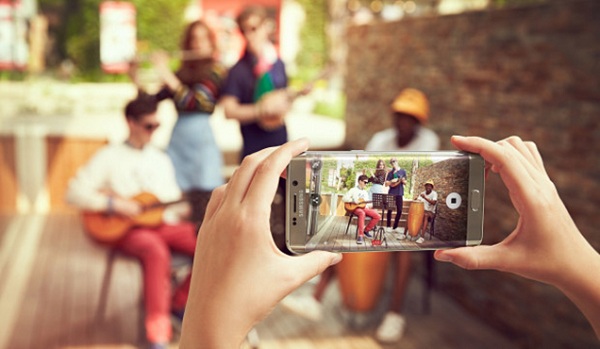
[(336, 259), (443, 257)]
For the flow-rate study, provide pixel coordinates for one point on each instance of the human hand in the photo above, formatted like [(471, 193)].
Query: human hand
[(133, 72), (126, 207), (160, 60), (545, 240), (275, 104), (239, 274)]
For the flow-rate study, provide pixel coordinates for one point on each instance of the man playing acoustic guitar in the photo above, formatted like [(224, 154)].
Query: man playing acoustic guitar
[(356, 202), (107, 184)]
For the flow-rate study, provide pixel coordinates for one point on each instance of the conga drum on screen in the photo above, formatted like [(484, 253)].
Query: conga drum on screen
[(416, 212), (361, 276)]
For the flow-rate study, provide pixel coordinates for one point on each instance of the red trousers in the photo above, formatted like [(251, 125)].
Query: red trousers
[(361, 213), (153, 246)]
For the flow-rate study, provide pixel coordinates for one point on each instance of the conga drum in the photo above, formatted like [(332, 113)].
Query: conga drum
[(416, 212), (361, 276)]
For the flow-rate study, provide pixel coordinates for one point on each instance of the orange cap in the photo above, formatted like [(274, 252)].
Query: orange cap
[(412, 102)]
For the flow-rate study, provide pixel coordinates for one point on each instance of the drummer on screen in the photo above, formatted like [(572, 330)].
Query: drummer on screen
[(429, 198)]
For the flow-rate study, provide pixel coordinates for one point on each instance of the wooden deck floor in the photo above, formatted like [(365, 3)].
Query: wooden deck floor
[(51, 280), (332, 235)]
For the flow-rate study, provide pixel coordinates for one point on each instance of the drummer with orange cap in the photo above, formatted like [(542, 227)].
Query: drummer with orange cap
[(429, 198), (410, 113)]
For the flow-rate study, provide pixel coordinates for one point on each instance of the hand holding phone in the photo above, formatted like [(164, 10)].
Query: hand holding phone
[(239, 275), (546, 245), (536, 248)]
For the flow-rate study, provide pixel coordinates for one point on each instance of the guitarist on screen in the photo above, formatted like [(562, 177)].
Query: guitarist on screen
[(106, 184), (356, 202)]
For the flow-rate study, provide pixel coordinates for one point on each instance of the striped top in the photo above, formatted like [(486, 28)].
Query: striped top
[(201, 96)]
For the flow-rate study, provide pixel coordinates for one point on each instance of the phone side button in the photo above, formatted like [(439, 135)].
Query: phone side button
[(475, 200)]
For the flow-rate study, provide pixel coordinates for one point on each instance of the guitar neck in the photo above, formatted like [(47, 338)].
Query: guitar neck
[(163, 204)]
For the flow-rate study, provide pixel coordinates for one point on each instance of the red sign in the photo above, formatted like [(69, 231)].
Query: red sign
[(14, 50)]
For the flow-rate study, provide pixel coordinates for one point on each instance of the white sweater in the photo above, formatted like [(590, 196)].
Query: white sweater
[(123, 171)]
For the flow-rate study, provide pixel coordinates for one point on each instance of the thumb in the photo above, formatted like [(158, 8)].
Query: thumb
[(471, 258), (314, 263)]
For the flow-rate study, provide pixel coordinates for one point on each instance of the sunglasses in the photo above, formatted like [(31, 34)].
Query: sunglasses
[(150, 126), (250, 28)]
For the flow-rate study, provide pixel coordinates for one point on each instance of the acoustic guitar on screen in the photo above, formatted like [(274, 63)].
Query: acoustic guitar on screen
[(351, 206), (110, 227)]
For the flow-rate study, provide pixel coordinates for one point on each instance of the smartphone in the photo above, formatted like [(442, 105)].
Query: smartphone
[(410, 201)]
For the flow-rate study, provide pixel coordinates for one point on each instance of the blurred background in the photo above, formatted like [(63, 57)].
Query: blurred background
[(490, 68)]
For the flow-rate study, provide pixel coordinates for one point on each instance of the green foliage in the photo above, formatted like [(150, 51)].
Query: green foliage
[(160, 23), (159, 26), (367, 166), (313, 54)]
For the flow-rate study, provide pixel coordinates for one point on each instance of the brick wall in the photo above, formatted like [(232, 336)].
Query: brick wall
[(532, 71)]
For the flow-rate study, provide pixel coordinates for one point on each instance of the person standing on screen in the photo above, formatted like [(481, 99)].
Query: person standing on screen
[(378, 179), (395, 180), (255, 92), (410, 114)]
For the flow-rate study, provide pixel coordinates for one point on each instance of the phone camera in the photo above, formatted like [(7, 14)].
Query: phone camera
[(295, 183), (315, 200), (316, 165)]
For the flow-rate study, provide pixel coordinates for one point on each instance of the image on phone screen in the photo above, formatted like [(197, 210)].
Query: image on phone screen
[(366, 201)]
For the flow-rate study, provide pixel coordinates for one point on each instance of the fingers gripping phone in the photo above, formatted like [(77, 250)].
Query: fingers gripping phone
[(384, 201)]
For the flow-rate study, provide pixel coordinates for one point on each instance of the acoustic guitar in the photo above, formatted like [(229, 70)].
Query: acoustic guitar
[(351, 206), (273, 122), (110, 227)]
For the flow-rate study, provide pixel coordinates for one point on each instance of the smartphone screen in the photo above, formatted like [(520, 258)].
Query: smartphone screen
[(384, 201)]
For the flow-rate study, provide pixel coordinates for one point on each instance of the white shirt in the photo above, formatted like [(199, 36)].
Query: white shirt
[(432, 196), (424, 140), (355, 195), (124, 171)]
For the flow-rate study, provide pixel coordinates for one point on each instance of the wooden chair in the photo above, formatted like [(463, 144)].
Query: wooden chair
[(178, 262), (351, 216)]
